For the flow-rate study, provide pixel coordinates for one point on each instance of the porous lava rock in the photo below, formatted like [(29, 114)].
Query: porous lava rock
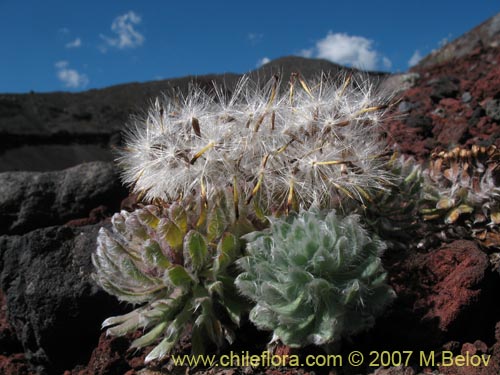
[(455, 99), (109, 357), (8, 340), (480, 349), (52, 303), (439, 294), (30, 200), (453, 276)]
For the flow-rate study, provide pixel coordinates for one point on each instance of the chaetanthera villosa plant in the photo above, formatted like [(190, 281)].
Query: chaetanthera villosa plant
[(307, 144), (177, 262), (216, 166), (314, 277)]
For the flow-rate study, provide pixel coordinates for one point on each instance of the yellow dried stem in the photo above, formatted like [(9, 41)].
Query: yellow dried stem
[(236, 198), (293, 76), (289, 201), (201, 152), (346, 83), (259, 179), (330, 162), (304, 85)]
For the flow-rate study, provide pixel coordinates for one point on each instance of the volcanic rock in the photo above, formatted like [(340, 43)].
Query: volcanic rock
[(109, 357), (439, 294), (444, 87), (15, 364), (455, 121), (453, 274), (493, 109), (30, 200), (486, 35), (478, 348), (53, 305), (8, 339), (399, 370)]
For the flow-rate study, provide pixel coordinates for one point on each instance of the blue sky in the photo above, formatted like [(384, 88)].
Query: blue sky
[(71, 45)]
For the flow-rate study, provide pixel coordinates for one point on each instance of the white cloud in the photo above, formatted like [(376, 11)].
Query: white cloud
[(126, 35), (307, 52), (415, 58), (263, 61), (445, 40), (350, 50), (255, 38), (61, 64), (386, 62), (442, 42), (70, 77), (74, 44)]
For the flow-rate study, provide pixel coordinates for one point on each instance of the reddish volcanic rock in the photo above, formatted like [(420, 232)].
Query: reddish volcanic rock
[(113, 355), (15, 364), (399, 370), (452, 274), (481, 353), (455, 96), (450, 124), (11, 361), (439, 293), (489, 86), (96, 215), (108, 357)]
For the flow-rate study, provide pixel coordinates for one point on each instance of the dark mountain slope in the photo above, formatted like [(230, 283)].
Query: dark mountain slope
[(51, 131)]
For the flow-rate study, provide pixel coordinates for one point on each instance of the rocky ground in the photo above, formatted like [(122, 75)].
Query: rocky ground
[(51, 311)]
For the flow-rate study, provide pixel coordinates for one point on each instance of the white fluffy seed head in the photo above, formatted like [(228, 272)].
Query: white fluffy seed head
[(305, 144)]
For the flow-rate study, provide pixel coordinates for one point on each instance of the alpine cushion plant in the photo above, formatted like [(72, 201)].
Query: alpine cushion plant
[(393, 213), (462, 194), (307, 144), (314, 277), (214, 167), (176, 261)]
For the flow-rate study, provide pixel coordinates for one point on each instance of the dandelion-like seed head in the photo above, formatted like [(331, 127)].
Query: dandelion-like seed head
[(303, 143)]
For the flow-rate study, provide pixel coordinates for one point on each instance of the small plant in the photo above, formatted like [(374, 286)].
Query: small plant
[(314, 278), (215, 167), (462, 194), (175, 260), (393, 214), (294, 147)]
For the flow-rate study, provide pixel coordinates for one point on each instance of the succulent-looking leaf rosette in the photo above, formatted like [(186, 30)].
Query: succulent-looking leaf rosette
[(177, 262), (314, 277), (310, 143), (462, 194), (393, 214)]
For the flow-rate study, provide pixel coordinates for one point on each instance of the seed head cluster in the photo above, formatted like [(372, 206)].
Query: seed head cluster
[(301, 144)]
